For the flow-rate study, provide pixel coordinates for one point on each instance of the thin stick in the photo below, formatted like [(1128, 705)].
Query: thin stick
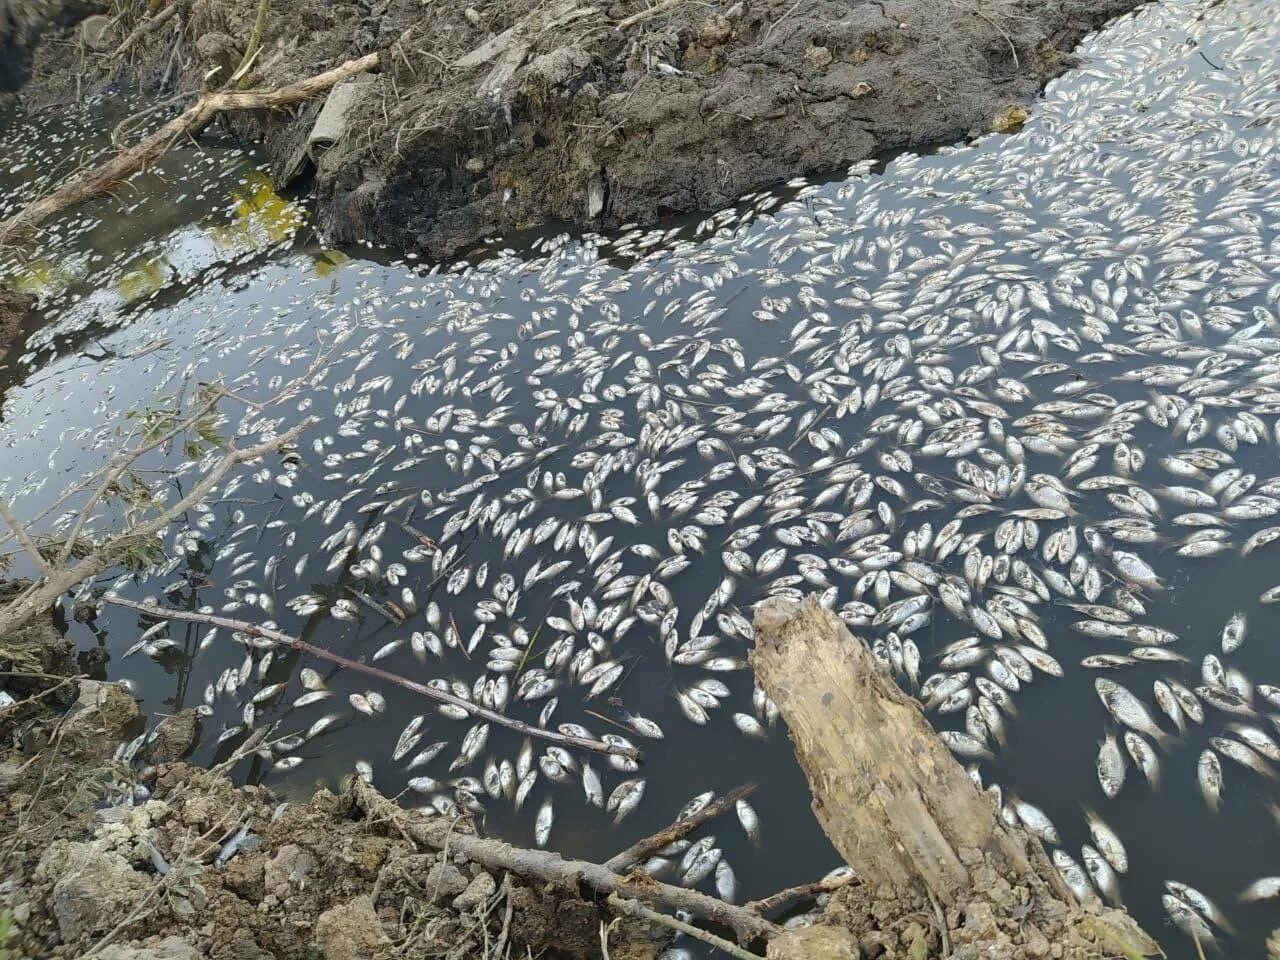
[(655, 10), (639, 911), (20, 532), (440, 696), (1196, 940), (800, 892), (255, 44), (680, 828), (17, 704), (147, 26)]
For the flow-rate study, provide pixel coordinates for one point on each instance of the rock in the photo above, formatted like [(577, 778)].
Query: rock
[(716, 31), (817, 942), (92, 888), (477, 893), (445, 880), (1010, 120), (350, 931), (170, 948), (95, 33), (175, 736), (288, 870)]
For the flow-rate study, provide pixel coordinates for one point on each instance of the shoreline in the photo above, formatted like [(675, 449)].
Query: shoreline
[(492, 120)]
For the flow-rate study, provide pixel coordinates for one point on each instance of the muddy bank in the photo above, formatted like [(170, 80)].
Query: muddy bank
[(25, 23), (159, 860), (14, 308), (117, 848), (490, 117)]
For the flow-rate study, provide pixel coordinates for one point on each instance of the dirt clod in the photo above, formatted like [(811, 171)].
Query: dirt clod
[(350, 931)]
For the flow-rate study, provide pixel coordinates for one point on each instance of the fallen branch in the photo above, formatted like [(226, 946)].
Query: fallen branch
[(548, 867), (630, 908), (801, 892), (147, 26), (191, 121), (440, 696), (106, 555), (681, 828)]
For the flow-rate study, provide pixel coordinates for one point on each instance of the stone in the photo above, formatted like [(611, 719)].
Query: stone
[(477, 893), (104, 712), (816, 942), (716, 31), (818, 57), (350, 931), (170, 948), (92, 888), (445, 880), (288, 870), (95, 33)]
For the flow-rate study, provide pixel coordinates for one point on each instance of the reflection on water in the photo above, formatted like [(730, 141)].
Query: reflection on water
[(1010, 408)]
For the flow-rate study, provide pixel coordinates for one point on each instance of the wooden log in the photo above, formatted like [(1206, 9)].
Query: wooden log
[(887, 792), (892, 799)]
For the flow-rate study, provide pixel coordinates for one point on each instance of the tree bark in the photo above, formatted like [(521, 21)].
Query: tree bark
[(888, 793)]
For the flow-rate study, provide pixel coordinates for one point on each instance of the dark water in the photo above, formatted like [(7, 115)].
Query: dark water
[(1153, 169)]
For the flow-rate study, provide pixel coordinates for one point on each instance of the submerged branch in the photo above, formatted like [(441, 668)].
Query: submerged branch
[(680, 828), (440, 696)]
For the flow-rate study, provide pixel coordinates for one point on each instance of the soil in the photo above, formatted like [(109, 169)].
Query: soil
[(489, 117), (131, 859), (14, 308)]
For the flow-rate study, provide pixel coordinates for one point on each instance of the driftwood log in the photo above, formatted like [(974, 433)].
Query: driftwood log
[(894, 802)]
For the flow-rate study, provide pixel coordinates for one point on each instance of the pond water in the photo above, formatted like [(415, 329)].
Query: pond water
[(1030, 382)]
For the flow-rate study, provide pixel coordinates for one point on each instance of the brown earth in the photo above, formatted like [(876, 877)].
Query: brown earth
[(128, 861), (14, 308), (502, 114)]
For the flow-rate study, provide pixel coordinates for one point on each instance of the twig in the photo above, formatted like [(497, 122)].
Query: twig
[(548, 867), (680, 828), (254, 46), (639, 911), (440, 696), (997, 28), (147, 26), (20, 532), (16, 705), (655, 10), (107, 555), (800, 892), (604, 938)]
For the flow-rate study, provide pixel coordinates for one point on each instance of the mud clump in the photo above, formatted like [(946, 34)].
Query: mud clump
[(492, 117)]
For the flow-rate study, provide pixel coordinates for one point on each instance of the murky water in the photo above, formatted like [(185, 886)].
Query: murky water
[(878, 357)]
